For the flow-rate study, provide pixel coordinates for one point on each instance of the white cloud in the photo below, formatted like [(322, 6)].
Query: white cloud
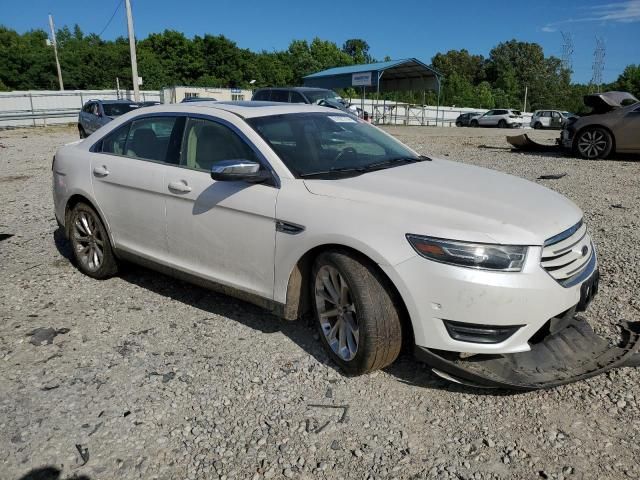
[(617, 12)]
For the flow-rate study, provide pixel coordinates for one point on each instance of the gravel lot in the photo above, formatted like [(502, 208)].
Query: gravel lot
[(149, 377)]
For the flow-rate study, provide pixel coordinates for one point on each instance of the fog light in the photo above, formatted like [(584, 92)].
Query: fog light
[(474, 333)]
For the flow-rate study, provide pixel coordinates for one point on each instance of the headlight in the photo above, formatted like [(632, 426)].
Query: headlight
[(504, 258)]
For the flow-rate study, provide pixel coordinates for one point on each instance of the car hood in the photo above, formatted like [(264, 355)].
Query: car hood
[(452, 200)]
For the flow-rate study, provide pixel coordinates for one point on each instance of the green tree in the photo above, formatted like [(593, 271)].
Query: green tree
[(629, 80), (358, 50)]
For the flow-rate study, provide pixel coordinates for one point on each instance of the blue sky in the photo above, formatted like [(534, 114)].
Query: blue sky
[(400, 28)]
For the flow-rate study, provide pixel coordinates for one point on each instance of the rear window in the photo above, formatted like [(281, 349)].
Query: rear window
[(516, 112), (117, 109)]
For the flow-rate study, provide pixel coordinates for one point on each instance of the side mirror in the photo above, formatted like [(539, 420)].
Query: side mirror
[(238, 170)]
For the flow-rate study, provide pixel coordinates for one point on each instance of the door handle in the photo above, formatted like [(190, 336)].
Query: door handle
[(179, 186), (101, 171)]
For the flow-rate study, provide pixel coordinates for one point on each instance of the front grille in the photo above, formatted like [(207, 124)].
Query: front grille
[(569, 257)]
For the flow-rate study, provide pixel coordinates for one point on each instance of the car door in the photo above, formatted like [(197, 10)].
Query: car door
[(627, 131), (219, 230), (128, 182), (486, 119)]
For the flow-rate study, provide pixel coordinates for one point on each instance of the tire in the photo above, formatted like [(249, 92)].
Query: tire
[(502, 124), (90, 244), (475, 124), (537, 125), (81, 131), (458, 124), (592, 143), (371, 329)]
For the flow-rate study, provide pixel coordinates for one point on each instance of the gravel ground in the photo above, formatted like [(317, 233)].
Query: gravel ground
[(148, 377)]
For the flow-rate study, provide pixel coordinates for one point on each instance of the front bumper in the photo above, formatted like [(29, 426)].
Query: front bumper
[(434, 293)]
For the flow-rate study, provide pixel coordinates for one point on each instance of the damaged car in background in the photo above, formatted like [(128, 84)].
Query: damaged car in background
[(612, 126), (305, 210)]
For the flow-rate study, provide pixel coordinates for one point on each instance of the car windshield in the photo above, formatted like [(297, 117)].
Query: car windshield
[(315, 96), (326, 145), (117, 109)]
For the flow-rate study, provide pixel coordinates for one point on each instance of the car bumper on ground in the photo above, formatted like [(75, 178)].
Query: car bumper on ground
[(505, 309)]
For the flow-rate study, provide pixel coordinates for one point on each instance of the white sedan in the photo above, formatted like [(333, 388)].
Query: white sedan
[(304, 209)]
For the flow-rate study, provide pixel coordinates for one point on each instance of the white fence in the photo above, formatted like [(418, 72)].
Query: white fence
[(43, 107), (39, 107)]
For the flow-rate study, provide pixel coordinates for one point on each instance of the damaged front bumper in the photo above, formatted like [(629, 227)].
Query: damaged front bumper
[(571, 351), (524, 143)]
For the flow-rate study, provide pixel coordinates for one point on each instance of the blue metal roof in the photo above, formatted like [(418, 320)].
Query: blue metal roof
[(369, 67)]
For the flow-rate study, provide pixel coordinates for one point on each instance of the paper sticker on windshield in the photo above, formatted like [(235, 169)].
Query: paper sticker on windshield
[(342, 119)]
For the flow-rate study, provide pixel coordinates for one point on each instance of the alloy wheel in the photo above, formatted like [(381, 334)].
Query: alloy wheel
[(336, 312), (592, 143), (87, 240)]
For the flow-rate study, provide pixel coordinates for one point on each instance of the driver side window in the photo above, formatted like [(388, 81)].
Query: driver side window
[(206, 142)]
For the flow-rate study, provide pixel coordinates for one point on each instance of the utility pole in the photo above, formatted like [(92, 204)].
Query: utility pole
[(55, 50), (132, 48), (526, 90)]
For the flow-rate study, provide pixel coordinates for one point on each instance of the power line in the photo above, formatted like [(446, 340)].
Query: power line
[(598, 62), (112, 17), (567, 50)]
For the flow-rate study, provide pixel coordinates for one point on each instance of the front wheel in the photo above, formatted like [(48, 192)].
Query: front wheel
[(90, 244), (474, 123), (537, 125), (358, 321), (458, 124), (592, 143)]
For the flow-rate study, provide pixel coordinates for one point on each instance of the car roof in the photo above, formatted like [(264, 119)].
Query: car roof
[(297, 89), (108, 102), (244, 109)]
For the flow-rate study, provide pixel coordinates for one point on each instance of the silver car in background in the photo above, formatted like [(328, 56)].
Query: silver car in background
[(501, 118)]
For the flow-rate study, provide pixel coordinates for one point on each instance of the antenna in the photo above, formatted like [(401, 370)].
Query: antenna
[(598, 62), (567, 50)]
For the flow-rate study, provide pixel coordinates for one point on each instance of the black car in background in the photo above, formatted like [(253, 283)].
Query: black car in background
[(464, 120)]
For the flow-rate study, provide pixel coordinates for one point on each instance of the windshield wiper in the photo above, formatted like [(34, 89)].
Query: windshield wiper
[(366, 168), (392, 161), (332, 171)]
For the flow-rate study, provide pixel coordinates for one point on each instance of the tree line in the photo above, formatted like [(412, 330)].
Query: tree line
[(171, 58)]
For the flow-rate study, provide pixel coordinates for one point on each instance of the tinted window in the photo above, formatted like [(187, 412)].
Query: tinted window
[(206, 142), (297, 98), (117, 109), (87, 107), (156, 138), (261, 95), (279, 95), (514, 112), (490, 112), (114, 142)]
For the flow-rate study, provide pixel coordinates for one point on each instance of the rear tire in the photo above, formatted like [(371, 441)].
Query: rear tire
[(81, 131), (537, 125), (90, 244), (358, 322), (593, 143), (502, 124)]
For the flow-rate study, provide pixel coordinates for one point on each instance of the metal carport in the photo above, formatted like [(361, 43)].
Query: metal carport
[(409, 74)]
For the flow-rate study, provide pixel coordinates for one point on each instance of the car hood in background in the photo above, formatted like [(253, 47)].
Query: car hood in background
[(607, 101), (457, 201)]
